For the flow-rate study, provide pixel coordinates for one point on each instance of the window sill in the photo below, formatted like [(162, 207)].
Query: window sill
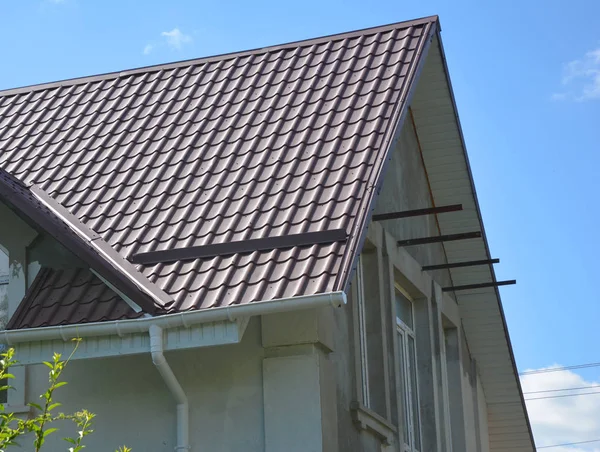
[(367, 419), (17, 409)]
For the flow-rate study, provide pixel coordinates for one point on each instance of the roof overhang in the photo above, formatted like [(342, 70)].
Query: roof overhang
[(184, 330), (435, 116)]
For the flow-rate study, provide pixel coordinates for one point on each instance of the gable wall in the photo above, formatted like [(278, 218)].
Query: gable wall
[(405, 187)]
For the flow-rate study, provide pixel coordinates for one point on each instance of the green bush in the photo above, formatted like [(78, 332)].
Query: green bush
[(40, 425)]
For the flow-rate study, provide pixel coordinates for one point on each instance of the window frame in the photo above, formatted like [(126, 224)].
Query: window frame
[(362, 334), (406, 372)]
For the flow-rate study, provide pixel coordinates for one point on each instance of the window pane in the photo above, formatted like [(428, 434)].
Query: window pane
[(414, 393), (404, 309), (403, 390)]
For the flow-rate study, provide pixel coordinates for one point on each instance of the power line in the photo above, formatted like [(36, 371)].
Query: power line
[(568, 444), (563, 389), (560, 369), (547, 397), (563, 395)]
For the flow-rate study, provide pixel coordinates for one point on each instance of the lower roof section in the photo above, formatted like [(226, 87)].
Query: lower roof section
[(75, 294)]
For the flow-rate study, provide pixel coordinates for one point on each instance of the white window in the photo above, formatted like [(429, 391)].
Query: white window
[(409, 390)]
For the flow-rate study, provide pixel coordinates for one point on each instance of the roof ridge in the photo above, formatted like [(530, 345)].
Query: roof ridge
[(225, 56)]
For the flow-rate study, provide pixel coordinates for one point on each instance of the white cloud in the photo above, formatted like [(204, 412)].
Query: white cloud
[(147, 49), (176, 39), (564, 419), (581, 78)]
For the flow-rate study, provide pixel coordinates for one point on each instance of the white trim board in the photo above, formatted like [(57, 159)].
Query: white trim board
[(201, 335)]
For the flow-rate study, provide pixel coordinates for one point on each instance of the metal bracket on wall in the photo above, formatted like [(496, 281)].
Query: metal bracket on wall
[(460, 264), (417, 212), (440, 238), (479, 286)]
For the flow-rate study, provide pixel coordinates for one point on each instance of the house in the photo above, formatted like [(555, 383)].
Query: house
[(259, 251)]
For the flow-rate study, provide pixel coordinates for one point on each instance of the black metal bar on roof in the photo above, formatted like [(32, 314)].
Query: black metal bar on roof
[(417, 212), (460, 264), (243, 246), (479, 286), (440, 238)]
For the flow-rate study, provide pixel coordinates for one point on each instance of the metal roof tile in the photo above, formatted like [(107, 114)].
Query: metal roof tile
[(73, 296), (275, 141)]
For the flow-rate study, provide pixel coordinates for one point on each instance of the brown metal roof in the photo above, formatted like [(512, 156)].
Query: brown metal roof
[(266, 143), (76, 294)]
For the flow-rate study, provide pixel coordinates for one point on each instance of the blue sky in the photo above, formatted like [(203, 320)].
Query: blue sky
[(526, 77)]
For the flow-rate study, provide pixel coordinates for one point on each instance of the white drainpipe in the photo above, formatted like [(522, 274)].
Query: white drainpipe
[(183, 413)]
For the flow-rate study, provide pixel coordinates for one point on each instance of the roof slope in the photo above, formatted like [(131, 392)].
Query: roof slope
[(80, 296), (272, 142)]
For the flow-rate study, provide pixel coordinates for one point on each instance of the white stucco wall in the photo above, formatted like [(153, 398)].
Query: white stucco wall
[(134, 407)]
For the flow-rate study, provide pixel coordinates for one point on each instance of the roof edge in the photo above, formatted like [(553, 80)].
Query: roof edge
[(483, 235), (391, 137), (225, 56), (168, 321)]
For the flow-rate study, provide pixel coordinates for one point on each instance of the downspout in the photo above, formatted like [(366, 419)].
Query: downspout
[(183, 414)]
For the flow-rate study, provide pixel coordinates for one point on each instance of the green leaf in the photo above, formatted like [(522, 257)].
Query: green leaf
[(70, 440), (59, 384), (36, 406), (54, 405), (50, 430)]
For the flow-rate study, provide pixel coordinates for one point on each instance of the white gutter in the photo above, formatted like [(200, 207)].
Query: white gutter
[(183, 413), (185, 319)]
